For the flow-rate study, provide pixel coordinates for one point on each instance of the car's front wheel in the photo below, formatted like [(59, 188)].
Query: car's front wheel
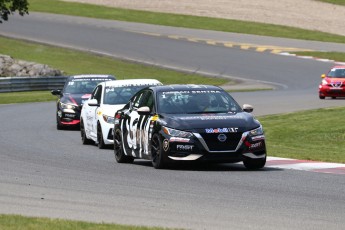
[(120, 156), (321, 97), (58, 123), (253, 164), (159, 158), (100, 139), (84, 139)]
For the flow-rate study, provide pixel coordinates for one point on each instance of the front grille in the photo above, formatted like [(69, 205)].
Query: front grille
[(230, 144)]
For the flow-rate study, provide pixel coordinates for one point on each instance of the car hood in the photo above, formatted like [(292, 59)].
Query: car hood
[(198, 122), (77, 99), (110, 110)]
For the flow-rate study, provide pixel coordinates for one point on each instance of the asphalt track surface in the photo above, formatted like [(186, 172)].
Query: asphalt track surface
[(45, 172)]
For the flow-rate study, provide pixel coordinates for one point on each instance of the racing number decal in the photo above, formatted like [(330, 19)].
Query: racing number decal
[(136, 134)]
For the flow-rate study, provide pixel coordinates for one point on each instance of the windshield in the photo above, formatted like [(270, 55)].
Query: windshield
[(115, 95), (337, 73), (196, 101), (83, 85)]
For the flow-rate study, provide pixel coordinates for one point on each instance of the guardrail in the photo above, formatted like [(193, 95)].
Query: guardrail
[(17, 84)]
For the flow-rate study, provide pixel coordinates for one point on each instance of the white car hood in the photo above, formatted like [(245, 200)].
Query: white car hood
[(110, 110)]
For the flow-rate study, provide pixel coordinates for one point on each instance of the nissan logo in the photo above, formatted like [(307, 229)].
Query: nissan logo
[(221, 137)]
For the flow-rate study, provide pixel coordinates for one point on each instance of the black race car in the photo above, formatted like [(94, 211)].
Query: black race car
[(77, 89), (188, 123)]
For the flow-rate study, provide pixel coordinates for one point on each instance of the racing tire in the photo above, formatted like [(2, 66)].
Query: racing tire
[(322, 97), (253, 164), (84, 139), (159, 157), (334, 97), (59, 126), (120, 156), (100, 139)]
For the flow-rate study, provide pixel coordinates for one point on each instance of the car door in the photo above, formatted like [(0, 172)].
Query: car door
[(91, 112), (136, 126)]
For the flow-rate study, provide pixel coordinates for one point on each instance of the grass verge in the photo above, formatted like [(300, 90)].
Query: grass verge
[(26, 97), (177, 20), (14, 222), (77, 62), (336, 2), (306, 135)]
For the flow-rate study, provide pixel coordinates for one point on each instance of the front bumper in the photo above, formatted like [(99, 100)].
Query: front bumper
[(327, 91), (198, 148)]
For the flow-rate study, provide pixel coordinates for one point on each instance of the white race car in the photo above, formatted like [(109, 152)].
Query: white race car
[(97, 114)]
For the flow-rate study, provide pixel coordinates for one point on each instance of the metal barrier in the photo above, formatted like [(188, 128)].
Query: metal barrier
[(17, 84)]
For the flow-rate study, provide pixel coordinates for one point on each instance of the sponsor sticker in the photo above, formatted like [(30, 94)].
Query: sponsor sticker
[(222, 130), (184, 147), (166, 145)]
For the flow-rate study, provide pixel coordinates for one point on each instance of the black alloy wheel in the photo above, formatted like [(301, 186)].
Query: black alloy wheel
[(100, 140), (120, 156), (159, 158), (84, 139)]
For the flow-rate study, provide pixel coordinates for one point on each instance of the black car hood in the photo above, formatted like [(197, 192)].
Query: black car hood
[(78, 99), (195, 122)]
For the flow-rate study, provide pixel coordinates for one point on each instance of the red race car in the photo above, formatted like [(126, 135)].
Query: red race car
[(333, 83)]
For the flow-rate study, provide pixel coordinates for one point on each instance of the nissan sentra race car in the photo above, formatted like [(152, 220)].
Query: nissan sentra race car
[(76, 91), (174, 123), (97, 114)]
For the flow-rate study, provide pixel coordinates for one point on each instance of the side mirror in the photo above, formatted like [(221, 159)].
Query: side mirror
[(56, 92), (93, 102), (247, 108), (323, 75), (145, 110)]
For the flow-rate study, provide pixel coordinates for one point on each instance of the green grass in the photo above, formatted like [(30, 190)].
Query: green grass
[(77, 62), (312, 135), (16, 222), (336, 2), (26, 97), (177, 20)]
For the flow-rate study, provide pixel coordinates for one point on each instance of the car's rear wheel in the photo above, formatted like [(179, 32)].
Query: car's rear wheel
[(120, 156), (159, 158), (334, 97), (84, 139), (253, 164), (100, 139)]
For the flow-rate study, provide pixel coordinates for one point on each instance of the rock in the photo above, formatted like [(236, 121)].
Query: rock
[(10, 67)]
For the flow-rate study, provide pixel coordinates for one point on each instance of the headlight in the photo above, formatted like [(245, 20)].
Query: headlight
[(108, 119), (177, 133), (324, 82), (257, 131), (67, 106)]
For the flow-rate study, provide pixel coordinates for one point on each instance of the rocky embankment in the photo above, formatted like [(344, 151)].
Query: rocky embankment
[(10, 67)]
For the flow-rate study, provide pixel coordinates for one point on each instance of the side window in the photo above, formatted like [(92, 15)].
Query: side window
[(147, 100), (136, 102), (97, 93), (144, 99)]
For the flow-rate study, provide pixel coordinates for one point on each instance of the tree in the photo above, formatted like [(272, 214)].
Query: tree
[(7, 7)]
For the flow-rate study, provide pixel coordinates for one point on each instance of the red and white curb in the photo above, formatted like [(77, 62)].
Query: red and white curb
[(306, 165)]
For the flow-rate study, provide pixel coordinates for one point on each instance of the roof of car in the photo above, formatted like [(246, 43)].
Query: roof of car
[(185, 87), (92, 76), (132, 82)]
